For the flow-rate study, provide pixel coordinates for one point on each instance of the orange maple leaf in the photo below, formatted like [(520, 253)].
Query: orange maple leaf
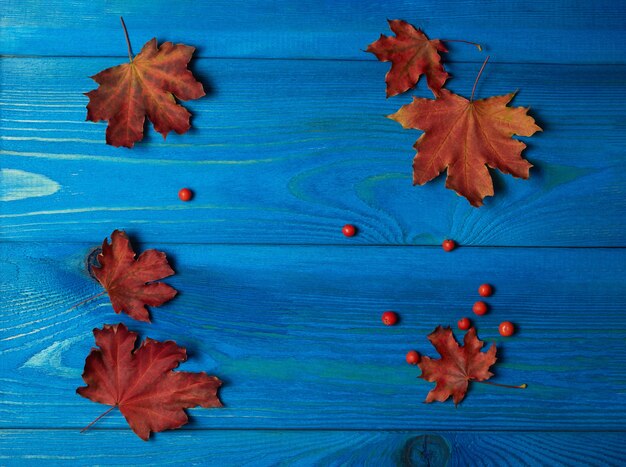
[(465, 137), (457, 366), (141, 383), (129, 281), (411, 54), (145, 86)]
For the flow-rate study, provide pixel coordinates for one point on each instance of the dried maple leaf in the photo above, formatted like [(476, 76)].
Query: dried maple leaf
[(145, 86), (411, 54), (141, 383), (457, 366), (128, 281), (465, 137)]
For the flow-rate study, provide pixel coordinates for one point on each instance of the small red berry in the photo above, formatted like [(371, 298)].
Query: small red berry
[(506, 328), (448, 245), (464, 324), (412, 357), (348, 230), (389, 318), (480, 308), (185, 194), (485, 290)]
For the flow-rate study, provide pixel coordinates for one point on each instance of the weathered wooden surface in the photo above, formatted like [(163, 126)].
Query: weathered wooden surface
[(287, 152), (332, 448), (290, 144), (543, 31), (295, 332)]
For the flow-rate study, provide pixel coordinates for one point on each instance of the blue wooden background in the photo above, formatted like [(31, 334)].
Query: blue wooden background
[(290, 144)]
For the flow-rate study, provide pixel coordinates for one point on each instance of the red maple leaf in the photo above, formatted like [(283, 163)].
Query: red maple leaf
[(145, 86), (129, 282), (411, 54), (465, 137), (141, 383), (457, 366)]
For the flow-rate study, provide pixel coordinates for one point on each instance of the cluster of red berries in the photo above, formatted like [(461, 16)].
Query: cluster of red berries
[(480, 308), (390, 318), (506, 328)]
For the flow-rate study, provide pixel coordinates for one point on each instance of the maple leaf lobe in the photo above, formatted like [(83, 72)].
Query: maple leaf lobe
[(141, 383), (465, 137), (145, 87), (412, 55), (129, 282), (457, 366)]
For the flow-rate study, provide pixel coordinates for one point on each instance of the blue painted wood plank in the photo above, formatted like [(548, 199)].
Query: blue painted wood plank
[(288, 152), (295, 333), (566, 31), (331, 448)]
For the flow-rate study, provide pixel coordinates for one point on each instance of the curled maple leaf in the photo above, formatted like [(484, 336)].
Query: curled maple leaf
[(141, 383), (457, 366), (129, 282), (145, 86), (411, 54), (465, 137)]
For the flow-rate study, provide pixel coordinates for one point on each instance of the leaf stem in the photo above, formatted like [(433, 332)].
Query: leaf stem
[(521, 386), (476, 44), (98, 418), (88, 299), (478, 77), (130, 50)]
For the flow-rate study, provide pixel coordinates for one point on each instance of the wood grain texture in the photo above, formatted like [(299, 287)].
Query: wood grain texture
[(290, 144), (328, 448), (541, 31), (295, 333), (288, 152)]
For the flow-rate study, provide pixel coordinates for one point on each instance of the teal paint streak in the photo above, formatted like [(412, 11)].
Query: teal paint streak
[(555, 176)]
